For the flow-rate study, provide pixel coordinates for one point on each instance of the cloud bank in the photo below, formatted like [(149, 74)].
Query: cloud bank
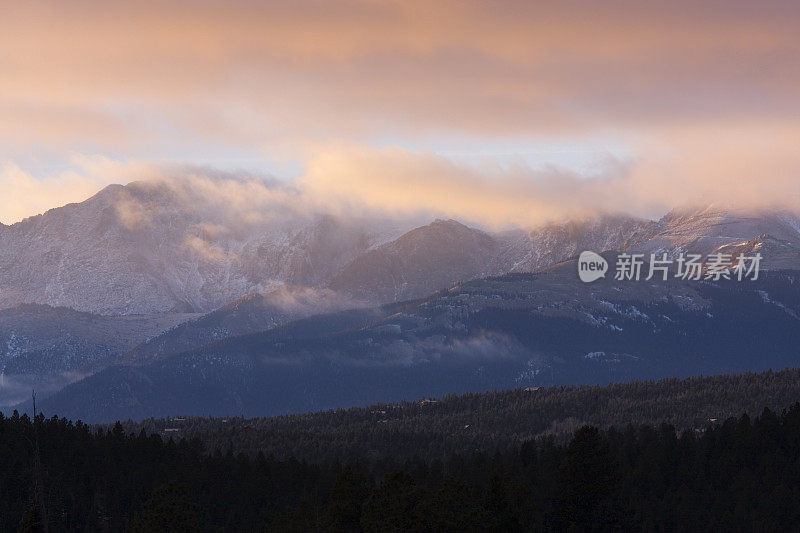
[(751, 168), (692, 168)]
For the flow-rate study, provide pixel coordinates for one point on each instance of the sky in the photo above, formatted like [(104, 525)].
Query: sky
[(503, 113)]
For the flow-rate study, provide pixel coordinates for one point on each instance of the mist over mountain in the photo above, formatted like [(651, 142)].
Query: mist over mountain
[(533, 250), (152, 247), (198, 244), (256, 312), (418, 263), (518, 330), (155, 281), (444, 252)]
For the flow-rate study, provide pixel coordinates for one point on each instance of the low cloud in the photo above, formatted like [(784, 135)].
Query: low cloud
[(207, 250), (751, 166), (238, 198), (304, 301), (25, 195)]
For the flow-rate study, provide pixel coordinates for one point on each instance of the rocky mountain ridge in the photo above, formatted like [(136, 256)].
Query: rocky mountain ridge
[(151, 247)]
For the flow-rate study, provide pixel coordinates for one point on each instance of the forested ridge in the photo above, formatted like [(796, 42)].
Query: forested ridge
[(737, 474), (495, 421)]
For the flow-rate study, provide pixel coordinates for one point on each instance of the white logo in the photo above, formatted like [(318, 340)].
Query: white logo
[(633, 267), (591, 266)]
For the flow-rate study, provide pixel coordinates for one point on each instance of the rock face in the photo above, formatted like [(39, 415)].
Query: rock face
[(716, 230)]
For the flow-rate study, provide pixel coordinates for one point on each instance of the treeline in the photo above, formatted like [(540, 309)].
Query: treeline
[(495, 421), (738, 474)]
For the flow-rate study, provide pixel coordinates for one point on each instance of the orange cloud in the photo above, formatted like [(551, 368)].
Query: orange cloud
[(147, 73), (750, 167), (744, 165), (25, 195)]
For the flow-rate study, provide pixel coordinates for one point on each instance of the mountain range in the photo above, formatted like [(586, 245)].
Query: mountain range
[(148, 300)]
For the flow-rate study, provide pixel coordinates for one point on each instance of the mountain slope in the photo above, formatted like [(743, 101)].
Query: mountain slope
[(44, 347), (178, 245), (418, 263), (515, 330), (257, 312), (546, 245)]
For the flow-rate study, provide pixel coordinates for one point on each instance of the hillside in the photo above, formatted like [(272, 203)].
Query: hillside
[(45, 348), (497, 333)]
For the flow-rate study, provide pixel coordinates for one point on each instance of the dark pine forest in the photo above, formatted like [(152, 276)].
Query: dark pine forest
[(733, 473)]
